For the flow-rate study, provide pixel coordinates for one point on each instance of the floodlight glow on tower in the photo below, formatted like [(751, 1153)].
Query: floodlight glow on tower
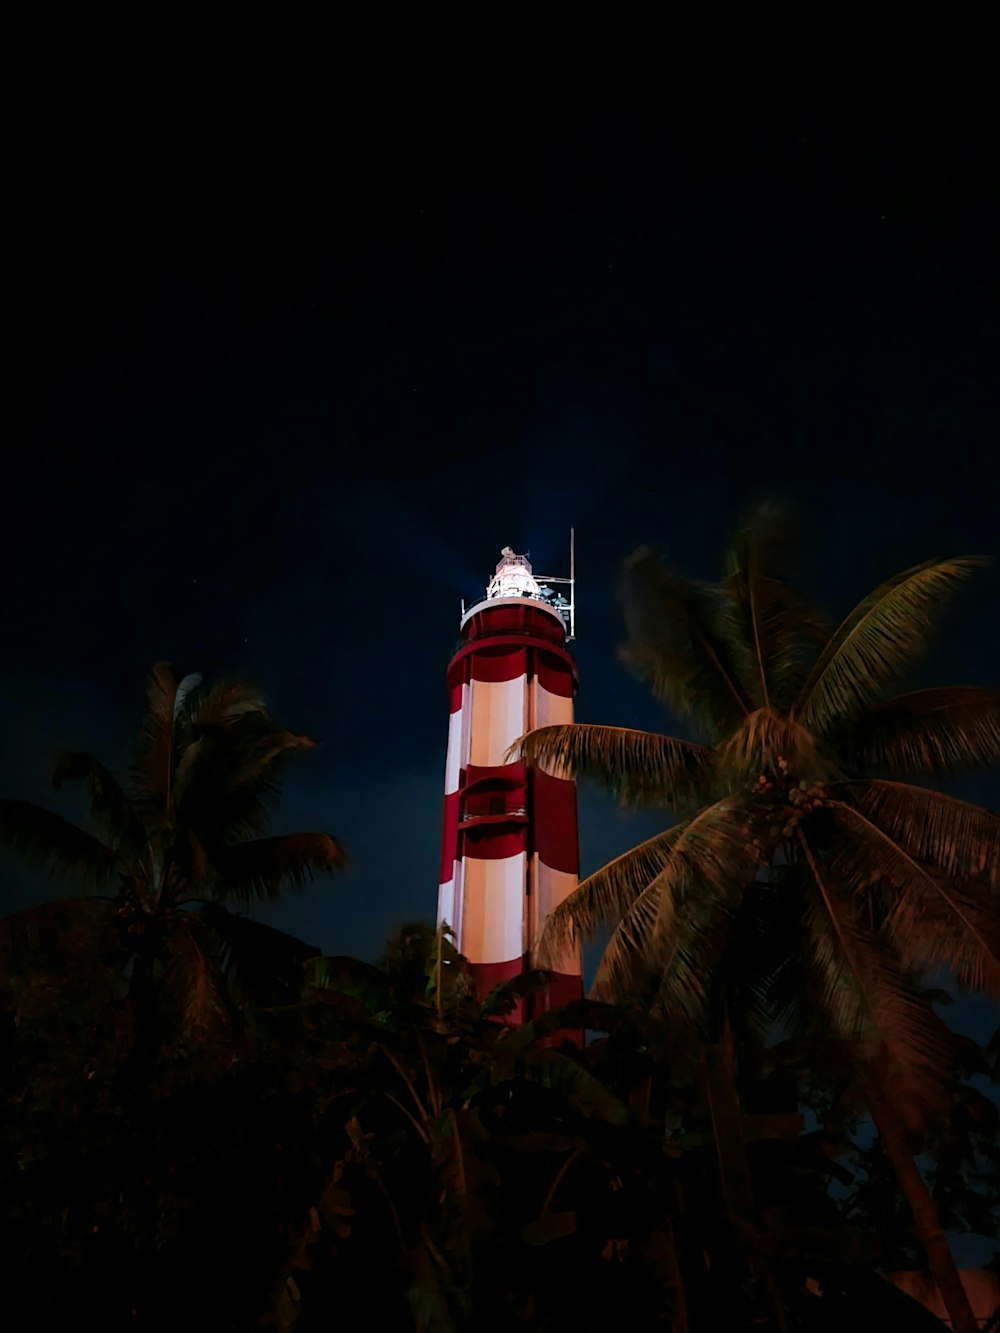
[(510, 849)]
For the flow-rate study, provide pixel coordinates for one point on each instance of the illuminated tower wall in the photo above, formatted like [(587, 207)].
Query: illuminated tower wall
[(510, 848)]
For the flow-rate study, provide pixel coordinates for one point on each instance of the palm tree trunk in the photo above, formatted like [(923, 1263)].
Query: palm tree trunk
[(926, 1224), (726, 1119), (139, 1058)]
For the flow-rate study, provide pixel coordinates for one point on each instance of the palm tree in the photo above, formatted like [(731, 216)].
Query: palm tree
[(807, 874), (167, 852)]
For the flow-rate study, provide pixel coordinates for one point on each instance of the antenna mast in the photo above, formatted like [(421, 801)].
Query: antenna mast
[(551, 578), (572, 584)]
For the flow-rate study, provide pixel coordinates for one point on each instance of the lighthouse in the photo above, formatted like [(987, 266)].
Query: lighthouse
[(510, 849)]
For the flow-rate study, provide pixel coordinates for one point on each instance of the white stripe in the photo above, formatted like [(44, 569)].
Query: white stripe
[(550, 710), (550, 888), (497, 710), (457, 727), (493, 909), (446, 904)]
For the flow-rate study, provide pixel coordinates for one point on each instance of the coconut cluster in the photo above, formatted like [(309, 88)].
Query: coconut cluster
[(784, 802)]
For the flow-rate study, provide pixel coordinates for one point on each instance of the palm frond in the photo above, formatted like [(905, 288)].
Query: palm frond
[(569, 1079), (665, 953), (668, 932), (604, 898), (954, 836), (222, 816), (229, 777), (110, 808), (186, 691), (933, 920), (624, 972), (152, 770), (259, 756), (933, 732), (219, 733), (262, 965), (216, 794), (712, 854), (711, 865), (678, 645), (247, 743), (66, 851), (258, 870), (600, 901), (870, 1003), (773, 629), (224, 703), (958, 929), (193, 983), (641, 768), (765, 540), (882, 635), (505, 996)]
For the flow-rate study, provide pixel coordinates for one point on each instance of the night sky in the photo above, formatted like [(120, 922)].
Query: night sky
[(279, 398)]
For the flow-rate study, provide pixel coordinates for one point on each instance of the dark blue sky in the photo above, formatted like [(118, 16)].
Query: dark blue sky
[(279, 401)]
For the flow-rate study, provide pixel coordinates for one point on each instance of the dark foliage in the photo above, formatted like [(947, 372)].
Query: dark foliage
[(386, 1152)]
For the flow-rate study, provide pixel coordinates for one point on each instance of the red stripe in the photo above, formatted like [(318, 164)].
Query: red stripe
[(449, 837), (501, 775), (554, 675), (553, 817), (554, 656), (563, 988), (455, 697), (491, 974), (499, 665), (491, 842), (509, 617), (488, 975), (457, 675)]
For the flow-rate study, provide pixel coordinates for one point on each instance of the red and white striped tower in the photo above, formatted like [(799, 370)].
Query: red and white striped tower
[(510, 850)]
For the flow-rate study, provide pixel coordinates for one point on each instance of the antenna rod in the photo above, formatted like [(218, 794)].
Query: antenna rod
[(572, 584)]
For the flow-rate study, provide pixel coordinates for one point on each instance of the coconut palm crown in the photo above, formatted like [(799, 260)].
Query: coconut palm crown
[(808, 860), (167, 849)]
